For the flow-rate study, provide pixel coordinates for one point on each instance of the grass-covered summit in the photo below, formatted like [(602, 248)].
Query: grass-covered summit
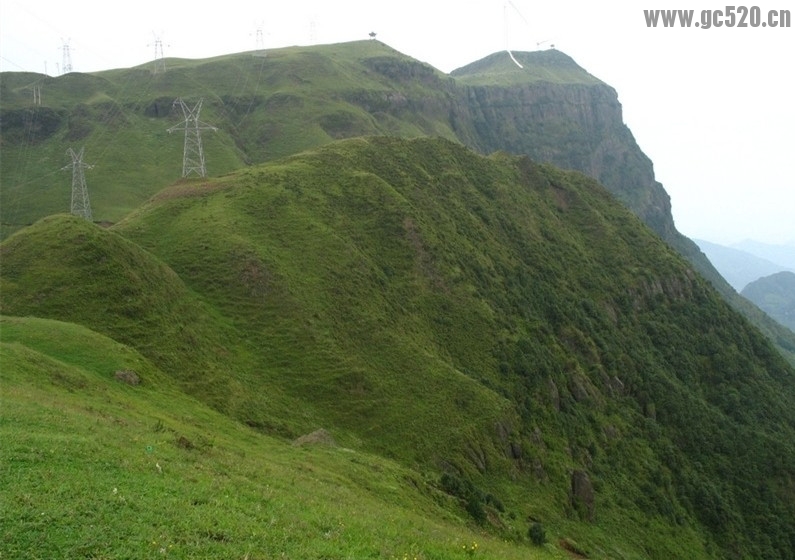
[(518, 345), (548, 66)]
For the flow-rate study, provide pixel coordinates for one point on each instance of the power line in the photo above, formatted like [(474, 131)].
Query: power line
[(507, 38)]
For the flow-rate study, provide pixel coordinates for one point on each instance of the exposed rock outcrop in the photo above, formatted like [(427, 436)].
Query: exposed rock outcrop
[(582, 495)]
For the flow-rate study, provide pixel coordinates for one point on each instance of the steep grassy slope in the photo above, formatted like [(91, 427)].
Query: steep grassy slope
[(96, 468), (64, 267), (503, 328)]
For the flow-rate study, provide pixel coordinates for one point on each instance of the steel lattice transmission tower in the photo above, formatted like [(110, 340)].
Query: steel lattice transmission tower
[(80, 203), (67, 57), (260, 40), (193, 154), (160, 62)]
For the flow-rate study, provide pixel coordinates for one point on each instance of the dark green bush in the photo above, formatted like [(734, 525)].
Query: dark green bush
[(537, 534), (475, 509)]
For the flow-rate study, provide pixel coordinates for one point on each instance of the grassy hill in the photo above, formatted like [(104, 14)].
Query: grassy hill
[(299, 98), (264, 108), (503, 340), (96, 467)]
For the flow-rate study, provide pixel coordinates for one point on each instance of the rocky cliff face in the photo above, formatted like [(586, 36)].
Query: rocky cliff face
[(551, 110), (576, 127), (554, 111)]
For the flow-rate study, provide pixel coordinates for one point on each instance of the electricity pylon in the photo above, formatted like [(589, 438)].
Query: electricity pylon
[(80, 203), (260, 40), (67, 57), (193, 154), (160, 62)]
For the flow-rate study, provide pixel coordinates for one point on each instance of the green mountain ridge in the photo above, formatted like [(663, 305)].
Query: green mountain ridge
[(521, 346), (298, 98)]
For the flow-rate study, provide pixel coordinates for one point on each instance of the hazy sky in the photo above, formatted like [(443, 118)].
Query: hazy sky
[(713, 108)]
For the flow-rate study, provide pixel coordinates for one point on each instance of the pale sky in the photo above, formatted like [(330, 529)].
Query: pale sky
[(713, 108)]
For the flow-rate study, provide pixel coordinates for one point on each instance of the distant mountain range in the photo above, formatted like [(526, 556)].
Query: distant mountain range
[(783, 254), (742, 263), (775, 295)]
